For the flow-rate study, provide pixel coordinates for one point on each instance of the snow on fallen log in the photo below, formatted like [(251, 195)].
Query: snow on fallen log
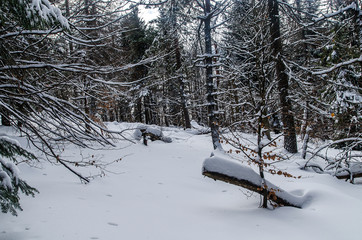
[(150, 133), (235, 173), (354, 171)]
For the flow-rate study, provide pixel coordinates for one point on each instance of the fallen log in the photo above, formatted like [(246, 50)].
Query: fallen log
[(354, 170), (350, 174), (234, 173)]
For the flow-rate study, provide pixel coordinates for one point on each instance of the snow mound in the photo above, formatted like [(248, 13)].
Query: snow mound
[(151, 132), (197, 128)]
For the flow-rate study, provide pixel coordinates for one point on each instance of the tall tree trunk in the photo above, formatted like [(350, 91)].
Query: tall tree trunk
[(185, 111), (176, 47), (260, 159), (67, 14), (356, 41), (211, 99), (148, 110), (290, 140), (138, 110)]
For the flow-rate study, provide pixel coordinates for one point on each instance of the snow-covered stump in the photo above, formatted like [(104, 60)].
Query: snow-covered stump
[(150, 133), (233, 172)]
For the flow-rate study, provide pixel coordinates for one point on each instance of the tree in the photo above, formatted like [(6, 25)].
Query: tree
[(290, 140), (325, 73), (19, 19), (169, 43), (248, 86), (134, 44), (39, 74), (341, 62), (209, 12), (252, 86), (10, 182)]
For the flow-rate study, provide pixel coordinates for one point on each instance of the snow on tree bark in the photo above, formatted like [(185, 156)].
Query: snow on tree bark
[(230, 171), (211, 98)]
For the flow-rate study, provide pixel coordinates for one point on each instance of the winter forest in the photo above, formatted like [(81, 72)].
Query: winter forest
[(264, 96)]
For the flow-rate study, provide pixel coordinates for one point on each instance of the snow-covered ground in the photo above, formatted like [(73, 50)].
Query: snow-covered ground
[(157, 192)]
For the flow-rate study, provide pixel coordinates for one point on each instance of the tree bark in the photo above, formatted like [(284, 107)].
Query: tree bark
[(305, 142), (185, 111), (211, 99), (261, 161), (67, 14), (290, 140), (176, 47), (147, 109), (349, 176), (250, 186)]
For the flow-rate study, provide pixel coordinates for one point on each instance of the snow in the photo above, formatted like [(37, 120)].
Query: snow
[(5, 180), (334, 67), (351, 6), (8, 139), (157, 192), (235, 169), (154, 130), (13, 170), (47, 11), (148, 14), (231, 168)]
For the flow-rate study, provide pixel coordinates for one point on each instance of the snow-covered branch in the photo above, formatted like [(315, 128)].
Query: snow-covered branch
[(342, 64)]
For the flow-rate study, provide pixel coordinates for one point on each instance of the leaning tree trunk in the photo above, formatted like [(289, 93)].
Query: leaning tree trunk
[(211, 99), (290, 140)]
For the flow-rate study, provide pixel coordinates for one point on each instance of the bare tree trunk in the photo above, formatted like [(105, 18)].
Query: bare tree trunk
[(138, 110), (305, 142), (304, 126), (180, 79), (185, 111), (290, 140), (211, 99), (148, 110), (261, 161), (356, 34), (67, 14)]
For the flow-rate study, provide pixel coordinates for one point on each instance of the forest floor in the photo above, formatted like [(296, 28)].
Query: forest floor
[(157, 192)]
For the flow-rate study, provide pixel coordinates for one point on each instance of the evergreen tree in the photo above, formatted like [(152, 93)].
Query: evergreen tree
[(254, 61), (171, 69), (327, 47), (247, 63), (135, 41), (342, 55), (10, 182)]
